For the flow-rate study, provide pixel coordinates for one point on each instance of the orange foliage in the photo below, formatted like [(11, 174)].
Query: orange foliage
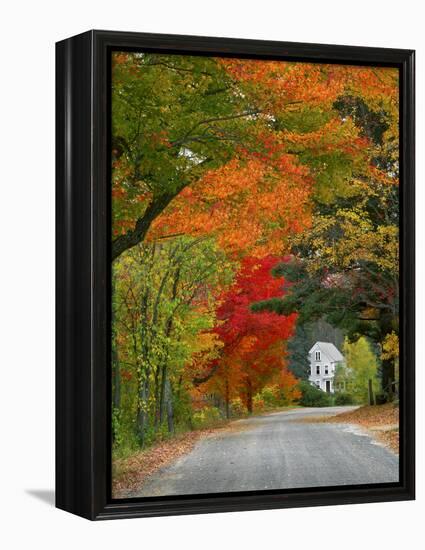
[(279, 84), (288, 383), (250, 206), (282, 84)]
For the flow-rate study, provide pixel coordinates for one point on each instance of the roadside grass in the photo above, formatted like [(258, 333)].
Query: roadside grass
[(381, 420)]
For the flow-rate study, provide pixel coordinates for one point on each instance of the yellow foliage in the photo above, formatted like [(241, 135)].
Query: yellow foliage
[(390, 346)]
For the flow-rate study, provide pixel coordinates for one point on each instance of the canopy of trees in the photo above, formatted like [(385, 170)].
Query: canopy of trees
[(250, 198)]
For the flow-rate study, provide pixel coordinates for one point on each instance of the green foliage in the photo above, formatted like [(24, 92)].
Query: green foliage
[(313, 396), (361, 366), (270, 396), (298, 347), (333, 172), (173, 118), (117, 435), (183, 410), (343, 398), (207, 417), (153, 434), (303, 120), (161, 306), (124, 441), (373, 124)]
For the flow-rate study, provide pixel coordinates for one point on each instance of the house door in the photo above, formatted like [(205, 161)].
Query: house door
[(328, 386)]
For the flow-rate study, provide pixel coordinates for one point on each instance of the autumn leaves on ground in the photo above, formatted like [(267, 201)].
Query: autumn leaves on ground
[(382, 421), (255, 208)]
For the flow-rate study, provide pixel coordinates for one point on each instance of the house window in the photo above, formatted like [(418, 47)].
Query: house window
[(318, 383), (317, 355), (317, 369), (326, 369)]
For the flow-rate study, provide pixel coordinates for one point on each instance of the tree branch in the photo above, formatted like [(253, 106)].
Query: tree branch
[(198, 380), (136, 235)]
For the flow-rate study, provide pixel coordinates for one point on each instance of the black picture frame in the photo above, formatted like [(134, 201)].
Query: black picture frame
[(83, 275)]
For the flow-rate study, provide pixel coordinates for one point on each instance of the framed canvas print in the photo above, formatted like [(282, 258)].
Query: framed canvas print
[(235, 275)]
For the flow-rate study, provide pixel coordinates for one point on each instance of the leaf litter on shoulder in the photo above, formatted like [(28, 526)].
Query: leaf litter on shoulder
[(131, 472), (381, 420)]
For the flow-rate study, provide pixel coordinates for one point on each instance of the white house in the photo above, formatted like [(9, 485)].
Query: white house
[(324, 357)]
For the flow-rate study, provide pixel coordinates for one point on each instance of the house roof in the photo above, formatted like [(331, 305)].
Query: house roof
[(330, 350)]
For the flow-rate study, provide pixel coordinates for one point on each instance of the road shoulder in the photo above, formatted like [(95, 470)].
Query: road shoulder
[(381, 422)]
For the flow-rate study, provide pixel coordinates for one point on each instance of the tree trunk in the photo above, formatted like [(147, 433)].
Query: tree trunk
[(169, 402), (387, 370), (227, 399), (198, 380), (163, 374), (370, 392), (157, 398), (162, 393), (142, 412), (249, 395), (116, 397), (143, 370), (137, 235)]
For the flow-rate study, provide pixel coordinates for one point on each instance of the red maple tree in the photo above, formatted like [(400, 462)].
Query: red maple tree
[(253, 350)]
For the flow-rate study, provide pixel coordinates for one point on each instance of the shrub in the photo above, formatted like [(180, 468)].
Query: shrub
[(117, 435), (312, 396), (237, 408), (153, 434), (258, 402), (125, 441), (183, 410), (206, 417), (343, 398), (381, 398), (270, 396)]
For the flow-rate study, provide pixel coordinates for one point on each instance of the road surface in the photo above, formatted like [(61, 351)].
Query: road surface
[(277, 451)]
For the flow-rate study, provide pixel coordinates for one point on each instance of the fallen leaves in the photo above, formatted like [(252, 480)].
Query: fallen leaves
[(381, 420), (131, 472)]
